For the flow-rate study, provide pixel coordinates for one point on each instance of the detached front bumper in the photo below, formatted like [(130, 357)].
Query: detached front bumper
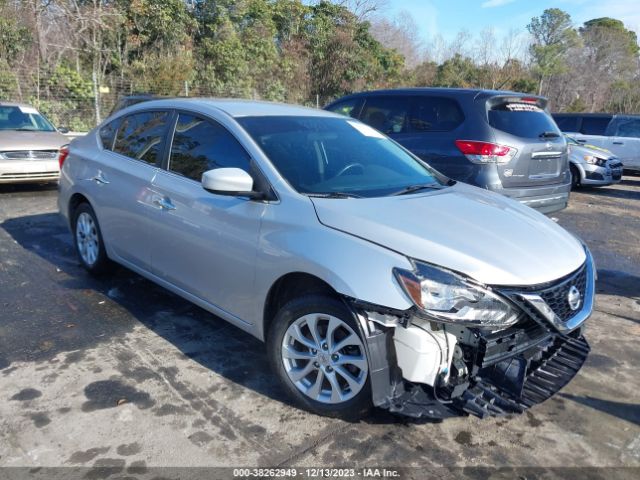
[(595, 175), (484, 373)]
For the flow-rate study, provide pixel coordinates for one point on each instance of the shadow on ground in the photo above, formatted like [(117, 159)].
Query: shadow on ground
[(625, 411)]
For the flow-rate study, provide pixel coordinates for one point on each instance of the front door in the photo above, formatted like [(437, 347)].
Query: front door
[(205, 244)]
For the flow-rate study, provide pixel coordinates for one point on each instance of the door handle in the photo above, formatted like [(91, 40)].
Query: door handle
[(100, 180), (164, 204), (618, 143), (581, 140)]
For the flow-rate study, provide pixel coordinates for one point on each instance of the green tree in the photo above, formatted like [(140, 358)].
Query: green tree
[(553, 35)]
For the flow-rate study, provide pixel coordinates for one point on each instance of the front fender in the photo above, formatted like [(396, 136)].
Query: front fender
[(352, 266)]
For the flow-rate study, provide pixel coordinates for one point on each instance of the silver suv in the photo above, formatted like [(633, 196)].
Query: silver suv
[(373, 279)]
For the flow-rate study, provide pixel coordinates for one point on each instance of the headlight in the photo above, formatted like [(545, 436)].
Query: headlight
[(595, 160), (448, 297)]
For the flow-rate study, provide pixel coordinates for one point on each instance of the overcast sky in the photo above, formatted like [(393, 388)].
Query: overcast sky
[(448, 17)]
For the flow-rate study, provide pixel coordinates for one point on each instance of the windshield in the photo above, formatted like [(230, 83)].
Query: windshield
[(336, 156), (23, 119)]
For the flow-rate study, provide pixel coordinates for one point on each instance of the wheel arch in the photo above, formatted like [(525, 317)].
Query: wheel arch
[(289, 286)]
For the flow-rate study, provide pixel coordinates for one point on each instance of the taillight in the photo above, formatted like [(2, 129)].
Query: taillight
[(485, 152), (63, 153)]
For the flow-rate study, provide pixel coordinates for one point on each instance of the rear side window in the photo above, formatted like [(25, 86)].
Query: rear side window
[(628, 128), (346, 108), (594, 125), (522, 120), (200, 145), (435, 114), (567, 124), (140, 136), (108, 133), (386, 114)]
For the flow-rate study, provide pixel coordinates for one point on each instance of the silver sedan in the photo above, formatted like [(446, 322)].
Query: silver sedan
[(373, 279)]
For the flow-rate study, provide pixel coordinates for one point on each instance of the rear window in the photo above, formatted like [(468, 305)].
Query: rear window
[(386, 114), (140, 136), (594, 125), (435, 114), (522, 120)]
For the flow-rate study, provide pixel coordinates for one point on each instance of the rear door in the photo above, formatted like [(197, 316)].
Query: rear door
[(524, 124), (133, 148)]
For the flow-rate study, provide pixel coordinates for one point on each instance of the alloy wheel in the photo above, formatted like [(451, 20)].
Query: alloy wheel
[(324, 358), (87, 238)]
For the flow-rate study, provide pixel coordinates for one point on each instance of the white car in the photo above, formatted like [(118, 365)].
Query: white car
[(29, 145)]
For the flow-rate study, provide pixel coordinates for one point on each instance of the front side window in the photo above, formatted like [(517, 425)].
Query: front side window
[(346, 108), (386, 114), (23, 119), (435, 114), (140, 136), (200, 145), (326, 156), (629, 128)]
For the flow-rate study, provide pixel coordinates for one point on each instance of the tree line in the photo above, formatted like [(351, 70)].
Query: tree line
[(74, 57)]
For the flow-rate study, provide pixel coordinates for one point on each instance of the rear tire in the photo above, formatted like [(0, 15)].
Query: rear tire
[(327, 372), (87, 239)]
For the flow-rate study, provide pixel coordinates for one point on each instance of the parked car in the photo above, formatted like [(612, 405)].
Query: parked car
[(372, 278), (591, 165), (29, 145), (501, 141), (618, 133)]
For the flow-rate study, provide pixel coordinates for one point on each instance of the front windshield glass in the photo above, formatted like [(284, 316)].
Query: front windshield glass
[(23, 119), (335, 156)]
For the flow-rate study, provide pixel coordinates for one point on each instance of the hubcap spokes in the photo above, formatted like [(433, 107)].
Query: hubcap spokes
[(324, 358), (87, 238)]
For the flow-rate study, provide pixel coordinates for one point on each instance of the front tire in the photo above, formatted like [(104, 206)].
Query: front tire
[(316, 350), (575, 177), (88, 240)]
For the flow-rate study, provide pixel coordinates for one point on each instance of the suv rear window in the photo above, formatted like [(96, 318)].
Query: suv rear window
[(521, 119)]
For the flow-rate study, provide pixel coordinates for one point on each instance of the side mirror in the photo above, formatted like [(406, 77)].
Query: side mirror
[(63, 130), (230, 181)]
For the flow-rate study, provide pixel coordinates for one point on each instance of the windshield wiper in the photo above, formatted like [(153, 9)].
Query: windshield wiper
[(25, 129), (416, 188), (549, 135), (334, 195)]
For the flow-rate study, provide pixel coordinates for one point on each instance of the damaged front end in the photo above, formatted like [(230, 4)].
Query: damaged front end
[(421, 366)]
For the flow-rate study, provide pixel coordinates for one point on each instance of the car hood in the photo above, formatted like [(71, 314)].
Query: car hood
[(582, 150), (11, 140), (488, 237)]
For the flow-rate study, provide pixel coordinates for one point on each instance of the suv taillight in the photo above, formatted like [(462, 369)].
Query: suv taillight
[(63, 153), (485, 152)]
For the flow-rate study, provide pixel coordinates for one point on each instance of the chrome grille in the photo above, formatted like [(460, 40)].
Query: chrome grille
[(31, 155), (556, 296)]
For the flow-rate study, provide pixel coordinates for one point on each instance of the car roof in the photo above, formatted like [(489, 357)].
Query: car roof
[(14, 104), (472, 92), (235, 107)]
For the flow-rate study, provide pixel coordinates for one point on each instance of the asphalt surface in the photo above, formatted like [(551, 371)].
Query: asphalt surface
[(121, 374)]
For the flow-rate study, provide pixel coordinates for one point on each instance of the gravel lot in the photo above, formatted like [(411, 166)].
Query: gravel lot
[(121, 374)]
